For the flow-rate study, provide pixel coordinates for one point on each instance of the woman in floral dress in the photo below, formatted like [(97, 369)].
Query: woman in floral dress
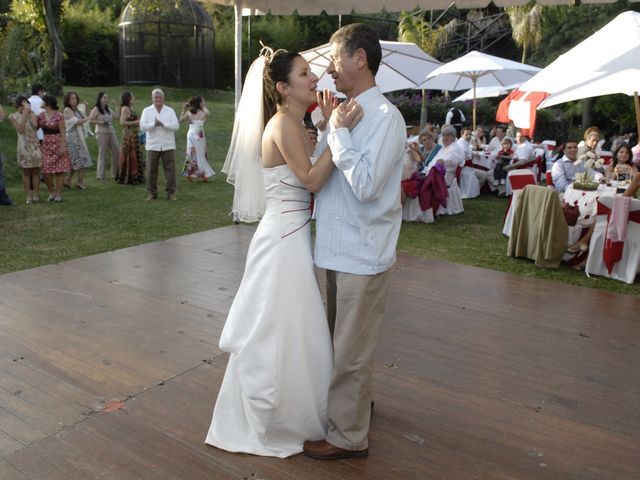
[(196, 163), (131, 164), (28, 154), (74, 122), (55, 157)]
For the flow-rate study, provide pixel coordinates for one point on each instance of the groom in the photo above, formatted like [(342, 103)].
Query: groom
[(358, 218)]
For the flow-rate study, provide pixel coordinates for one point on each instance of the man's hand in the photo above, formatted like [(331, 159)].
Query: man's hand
[(346, 115), (158, 123)]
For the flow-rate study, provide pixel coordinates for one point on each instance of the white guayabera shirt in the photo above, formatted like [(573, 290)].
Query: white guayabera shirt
[(358, 212)]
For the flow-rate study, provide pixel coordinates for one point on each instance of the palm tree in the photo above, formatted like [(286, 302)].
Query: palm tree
[(526, 26)]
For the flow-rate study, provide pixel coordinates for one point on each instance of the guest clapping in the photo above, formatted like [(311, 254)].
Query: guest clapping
[(28, 152), (160, 122), (102, 117)]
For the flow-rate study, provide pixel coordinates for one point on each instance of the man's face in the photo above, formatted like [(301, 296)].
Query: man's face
[(500, 133), (466, 135), (158, 99), (571, 151), (342, 68), (448, 139)]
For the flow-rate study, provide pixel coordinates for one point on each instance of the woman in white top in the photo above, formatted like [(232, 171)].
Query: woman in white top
[(196, 163)]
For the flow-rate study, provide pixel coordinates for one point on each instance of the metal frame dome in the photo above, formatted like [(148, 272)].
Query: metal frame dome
[(166, 42)]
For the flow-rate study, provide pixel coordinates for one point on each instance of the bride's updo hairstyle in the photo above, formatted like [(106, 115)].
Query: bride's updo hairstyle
[(278, 66)]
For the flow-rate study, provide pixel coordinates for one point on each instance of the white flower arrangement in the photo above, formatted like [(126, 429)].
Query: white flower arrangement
[(589, 161)]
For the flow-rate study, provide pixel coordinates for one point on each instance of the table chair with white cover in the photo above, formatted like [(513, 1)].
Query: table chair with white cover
[(516, 181), (619, 260)]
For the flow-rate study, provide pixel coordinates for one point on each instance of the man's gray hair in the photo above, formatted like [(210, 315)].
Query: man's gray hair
[(156, 90), (449, 130)]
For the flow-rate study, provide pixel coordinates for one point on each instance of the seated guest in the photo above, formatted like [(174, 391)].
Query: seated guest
[(503, 160), (426, 151), (496, 142), (591, 142), (469, 182), (478, 139), (452, 157), (621, 167), (564, 170)]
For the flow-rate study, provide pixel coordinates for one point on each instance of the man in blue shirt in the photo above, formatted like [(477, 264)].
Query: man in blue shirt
[(358, 217)]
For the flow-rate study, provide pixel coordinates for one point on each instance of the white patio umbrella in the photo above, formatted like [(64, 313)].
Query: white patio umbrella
[(477, 69), (485, 92), (605, 63), (403, 65)]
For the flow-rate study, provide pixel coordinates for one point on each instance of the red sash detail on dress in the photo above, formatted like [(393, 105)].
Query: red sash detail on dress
[(612, 251)]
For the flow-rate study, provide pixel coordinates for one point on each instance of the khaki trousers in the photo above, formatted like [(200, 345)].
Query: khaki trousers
[(107, 143), (355, 308), (168, 165)]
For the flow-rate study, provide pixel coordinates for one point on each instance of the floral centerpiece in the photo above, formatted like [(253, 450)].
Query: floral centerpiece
[(585, 180)]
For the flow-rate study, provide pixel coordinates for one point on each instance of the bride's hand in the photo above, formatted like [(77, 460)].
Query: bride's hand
[(346, 115), (327, 102)]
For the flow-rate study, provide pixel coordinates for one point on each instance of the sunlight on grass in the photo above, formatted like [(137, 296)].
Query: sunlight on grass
[(110, 216)]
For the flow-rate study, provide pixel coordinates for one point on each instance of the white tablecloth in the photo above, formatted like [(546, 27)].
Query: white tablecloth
[(587, 201)]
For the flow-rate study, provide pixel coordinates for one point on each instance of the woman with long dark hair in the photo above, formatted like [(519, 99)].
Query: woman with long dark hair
[(55, 157), (29, 155), (274, 393), (196, 163), (102, 117), (78, 152), (131, 165)]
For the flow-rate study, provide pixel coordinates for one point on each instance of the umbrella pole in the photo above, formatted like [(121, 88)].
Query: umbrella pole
[(474, 104), (636, 102), (423, 110)]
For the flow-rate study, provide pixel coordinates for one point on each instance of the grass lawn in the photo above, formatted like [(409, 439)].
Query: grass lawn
[(108, 216)]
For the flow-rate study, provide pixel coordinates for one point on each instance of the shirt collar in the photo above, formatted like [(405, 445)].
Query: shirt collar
[(368, 95)]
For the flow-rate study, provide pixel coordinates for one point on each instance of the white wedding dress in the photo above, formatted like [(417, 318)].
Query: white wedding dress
[(274, 393)]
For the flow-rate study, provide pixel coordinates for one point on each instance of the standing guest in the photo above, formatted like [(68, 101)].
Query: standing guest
[(621, 168), (358, 218), (4, 198), (131, 165), (196, 163), (29, 155), (74, 121), (563, 171), (456, 118), (160, 122), (35, 100), (107, 141), (55, 158)]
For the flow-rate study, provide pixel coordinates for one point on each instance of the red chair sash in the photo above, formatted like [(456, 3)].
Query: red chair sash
[(518, 182), (612, 251)]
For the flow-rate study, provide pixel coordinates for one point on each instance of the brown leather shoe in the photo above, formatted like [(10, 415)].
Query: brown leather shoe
[(323, 450)]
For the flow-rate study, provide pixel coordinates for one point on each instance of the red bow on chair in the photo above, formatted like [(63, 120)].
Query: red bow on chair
[(612, 252)]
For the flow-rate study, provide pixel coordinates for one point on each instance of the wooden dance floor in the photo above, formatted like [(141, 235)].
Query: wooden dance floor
[(109, 369)]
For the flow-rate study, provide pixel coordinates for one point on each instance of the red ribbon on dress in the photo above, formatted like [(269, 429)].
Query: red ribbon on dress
[(612, 251)]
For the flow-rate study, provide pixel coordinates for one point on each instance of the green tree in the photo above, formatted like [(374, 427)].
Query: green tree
[(526, 26)]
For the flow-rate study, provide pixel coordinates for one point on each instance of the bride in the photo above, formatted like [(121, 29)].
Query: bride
[(274, 393)]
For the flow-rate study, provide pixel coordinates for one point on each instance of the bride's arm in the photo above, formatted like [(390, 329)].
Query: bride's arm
[(293, 149)]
